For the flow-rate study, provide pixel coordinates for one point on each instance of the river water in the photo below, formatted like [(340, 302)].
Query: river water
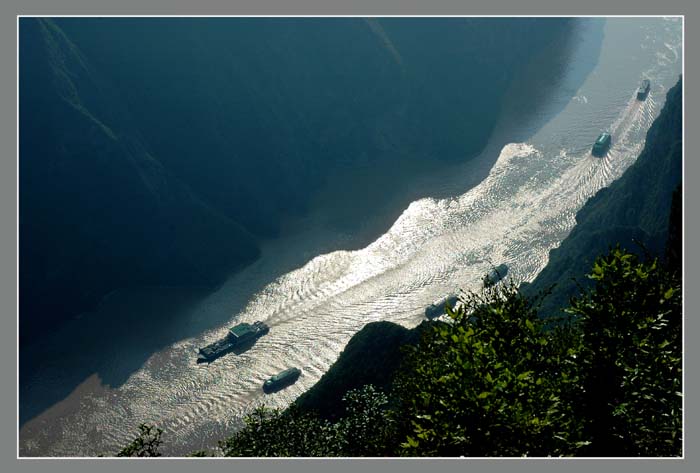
[(85, 393)]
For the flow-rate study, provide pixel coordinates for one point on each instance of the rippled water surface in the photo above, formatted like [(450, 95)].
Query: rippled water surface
[(523, 207)]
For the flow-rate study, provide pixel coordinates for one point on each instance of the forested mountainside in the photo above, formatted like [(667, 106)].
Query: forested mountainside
[(159, 150), (634, 210)]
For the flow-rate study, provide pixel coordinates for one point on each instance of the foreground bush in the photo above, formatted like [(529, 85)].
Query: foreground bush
[(362, 431), (631, 357), (493, 382)]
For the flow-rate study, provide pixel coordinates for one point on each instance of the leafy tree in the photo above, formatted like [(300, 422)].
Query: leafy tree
[(366, 429), (492, 382), (631, 358), (276, 433), (145, 445)]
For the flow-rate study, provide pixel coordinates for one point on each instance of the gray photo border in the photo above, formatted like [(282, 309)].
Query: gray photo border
[(10, 9)]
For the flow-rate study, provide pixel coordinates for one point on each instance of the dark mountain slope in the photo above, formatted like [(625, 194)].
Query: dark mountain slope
[(276, 105), (97, 211), (636, 207), (372, 356)]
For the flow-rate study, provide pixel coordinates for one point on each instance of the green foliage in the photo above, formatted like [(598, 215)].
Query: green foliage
[(491, 383), (631, 357), (275, 433), (145, 445), (366, 429)]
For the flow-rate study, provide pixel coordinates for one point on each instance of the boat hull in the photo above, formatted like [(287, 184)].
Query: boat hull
[(602, 145), (228, 344), (643, 90), (495, 275), (288, 378)]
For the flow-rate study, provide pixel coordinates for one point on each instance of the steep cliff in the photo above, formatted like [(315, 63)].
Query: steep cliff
[(635, 208)]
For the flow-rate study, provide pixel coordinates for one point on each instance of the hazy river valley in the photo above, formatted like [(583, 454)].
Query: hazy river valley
[(511, 205)]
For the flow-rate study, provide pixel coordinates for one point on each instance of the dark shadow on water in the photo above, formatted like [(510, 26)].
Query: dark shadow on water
[(129, 327), (113, 342)]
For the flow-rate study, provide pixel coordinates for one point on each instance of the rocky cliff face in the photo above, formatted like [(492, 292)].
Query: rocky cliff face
[(634, 209), (151, 150)]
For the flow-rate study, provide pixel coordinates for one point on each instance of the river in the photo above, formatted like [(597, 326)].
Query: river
[(85, 390)]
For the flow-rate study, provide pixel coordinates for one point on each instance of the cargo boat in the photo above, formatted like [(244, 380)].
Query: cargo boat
[(281, 380), (643, 89), (236, 336), (602, 144), (495, 275), (437, 308)]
